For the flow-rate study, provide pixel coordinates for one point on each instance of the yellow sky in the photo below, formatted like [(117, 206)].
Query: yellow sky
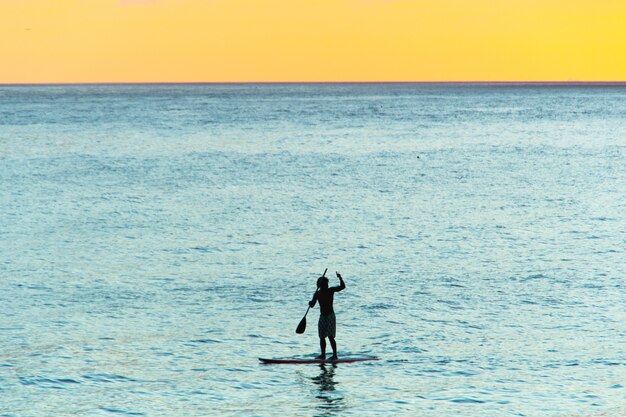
[(311, 40)]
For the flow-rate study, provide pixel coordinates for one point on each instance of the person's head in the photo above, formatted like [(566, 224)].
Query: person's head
[(322, 283)]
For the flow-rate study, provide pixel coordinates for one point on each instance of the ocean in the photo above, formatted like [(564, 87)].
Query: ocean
[(156, 240)]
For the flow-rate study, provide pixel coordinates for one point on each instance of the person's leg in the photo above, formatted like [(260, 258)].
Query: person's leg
[(333, 344), (332, 326), (321, 333), (323, 348)]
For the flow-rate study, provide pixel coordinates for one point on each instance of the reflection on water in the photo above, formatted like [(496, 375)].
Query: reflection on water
[(330, 400)]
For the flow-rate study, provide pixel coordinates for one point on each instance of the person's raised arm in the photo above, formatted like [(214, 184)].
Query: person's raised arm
[(342, 284)]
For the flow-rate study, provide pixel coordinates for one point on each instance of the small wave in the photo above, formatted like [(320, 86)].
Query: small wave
[(124, 412), (247, 386), (467, 400), (206, 249), (559, 364), (205, 341), (593, 286), (462, 373), (535, 276), (33, 286), (607, 362), (380, 306), (41, 381), (433, 371), (12, 328), (381, 336), (109, 378), (258, 336)]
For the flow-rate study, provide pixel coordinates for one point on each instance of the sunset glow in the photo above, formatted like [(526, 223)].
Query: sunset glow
[(49, 41)]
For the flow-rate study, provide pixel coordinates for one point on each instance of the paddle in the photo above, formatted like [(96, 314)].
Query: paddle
[(302, 326)]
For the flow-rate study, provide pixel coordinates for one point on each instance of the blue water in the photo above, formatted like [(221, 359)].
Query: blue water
[(155, 240)]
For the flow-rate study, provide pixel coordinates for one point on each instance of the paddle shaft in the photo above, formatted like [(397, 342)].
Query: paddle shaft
[(307, 310), (302, 325), (323, 275)]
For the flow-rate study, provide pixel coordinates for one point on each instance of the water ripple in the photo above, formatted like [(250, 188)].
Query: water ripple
[(157, 240)]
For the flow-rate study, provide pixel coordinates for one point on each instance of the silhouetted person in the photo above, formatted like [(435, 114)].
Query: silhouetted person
[(327, 325)]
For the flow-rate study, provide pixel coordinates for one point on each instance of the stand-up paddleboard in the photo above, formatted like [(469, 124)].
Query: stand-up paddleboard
[(309, 361)]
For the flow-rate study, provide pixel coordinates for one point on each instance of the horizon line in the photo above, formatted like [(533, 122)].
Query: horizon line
[(475, 82)]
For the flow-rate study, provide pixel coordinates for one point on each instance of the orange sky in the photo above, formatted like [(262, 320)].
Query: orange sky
[(45, 41)]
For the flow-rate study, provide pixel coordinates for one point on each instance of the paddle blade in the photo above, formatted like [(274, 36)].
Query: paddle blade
[(302, 326)]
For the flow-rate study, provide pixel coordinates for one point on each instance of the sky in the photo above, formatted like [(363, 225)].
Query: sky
[(81, 41)]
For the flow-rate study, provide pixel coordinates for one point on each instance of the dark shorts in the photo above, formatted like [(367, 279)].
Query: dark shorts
[(327, 326)]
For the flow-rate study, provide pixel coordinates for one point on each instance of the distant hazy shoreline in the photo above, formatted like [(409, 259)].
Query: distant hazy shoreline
[(438, 83)]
